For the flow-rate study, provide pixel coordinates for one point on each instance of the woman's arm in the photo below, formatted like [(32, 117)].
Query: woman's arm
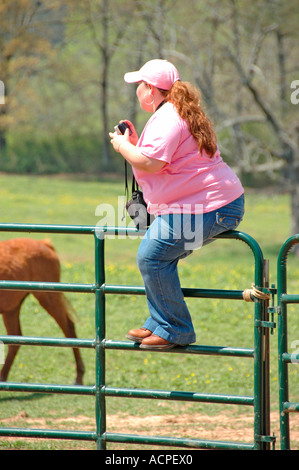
[(133, 155)]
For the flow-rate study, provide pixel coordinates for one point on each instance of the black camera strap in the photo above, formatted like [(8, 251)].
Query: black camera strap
[(126, 190), (135, 186)]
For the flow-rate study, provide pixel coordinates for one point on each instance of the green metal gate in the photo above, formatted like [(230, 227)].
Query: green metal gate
[(259, 352), (285, 358)]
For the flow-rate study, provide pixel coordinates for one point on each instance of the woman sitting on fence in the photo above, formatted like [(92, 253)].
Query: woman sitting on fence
[(193, 194)]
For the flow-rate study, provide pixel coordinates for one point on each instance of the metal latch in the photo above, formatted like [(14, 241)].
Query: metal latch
[(268, 439)]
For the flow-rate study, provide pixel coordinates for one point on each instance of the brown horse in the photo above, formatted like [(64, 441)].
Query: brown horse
[(23, 259)]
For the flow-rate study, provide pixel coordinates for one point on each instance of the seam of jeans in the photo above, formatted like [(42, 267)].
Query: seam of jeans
[(159, 283)]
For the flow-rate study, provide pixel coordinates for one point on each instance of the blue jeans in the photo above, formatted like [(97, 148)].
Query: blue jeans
[(170, 238)]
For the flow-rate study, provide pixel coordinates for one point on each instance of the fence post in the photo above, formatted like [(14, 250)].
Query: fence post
[(260, 418), (266, 360), (100, 336), (282, 329)]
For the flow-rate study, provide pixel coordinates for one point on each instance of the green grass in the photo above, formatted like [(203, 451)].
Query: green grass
[(224, 264)]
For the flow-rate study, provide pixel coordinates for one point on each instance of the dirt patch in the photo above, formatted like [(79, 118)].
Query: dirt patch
[(195, 426), (222, 427), (198, 426)]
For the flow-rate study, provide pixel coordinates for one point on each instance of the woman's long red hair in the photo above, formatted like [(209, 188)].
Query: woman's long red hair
[(186, 98)]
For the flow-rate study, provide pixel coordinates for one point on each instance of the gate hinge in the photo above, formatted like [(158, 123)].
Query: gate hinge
[(274, 310), (273, 290), (265, 324), (268, 439)]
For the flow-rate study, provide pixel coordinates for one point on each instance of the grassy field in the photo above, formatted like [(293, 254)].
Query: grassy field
[(224, 264)]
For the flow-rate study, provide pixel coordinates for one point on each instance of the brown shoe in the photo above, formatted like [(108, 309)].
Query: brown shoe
[(156, 342), (138, 335)]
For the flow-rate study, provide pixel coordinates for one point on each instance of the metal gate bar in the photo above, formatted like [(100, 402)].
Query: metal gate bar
[(284, 358), (100, 390)]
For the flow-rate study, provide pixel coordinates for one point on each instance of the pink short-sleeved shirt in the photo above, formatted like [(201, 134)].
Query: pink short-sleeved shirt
[(191, 181)]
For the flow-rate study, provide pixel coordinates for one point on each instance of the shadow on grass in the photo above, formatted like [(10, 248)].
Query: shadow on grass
[(29, 397)]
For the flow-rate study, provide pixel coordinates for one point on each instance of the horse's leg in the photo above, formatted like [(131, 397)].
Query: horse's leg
[(11, 322), (56, 305)]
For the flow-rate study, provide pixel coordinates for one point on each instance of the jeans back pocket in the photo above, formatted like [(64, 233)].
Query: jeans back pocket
[(227, 221)]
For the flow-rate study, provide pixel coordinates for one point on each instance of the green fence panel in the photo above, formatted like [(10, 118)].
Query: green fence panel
[(259, 353), (284, 358)]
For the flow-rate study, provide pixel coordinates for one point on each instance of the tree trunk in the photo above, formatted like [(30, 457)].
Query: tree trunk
[(295, 214), (2, 140), (3, 114), (295, 209), (104, 112), (294, 191), (104, 82)]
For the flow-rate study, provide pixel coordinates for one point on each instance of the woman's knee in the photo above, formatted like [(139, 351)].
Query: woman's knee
[(147, 256), (142, 259)]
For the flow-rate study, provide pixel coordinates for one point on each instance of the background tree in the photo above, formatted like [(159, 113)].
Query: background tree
[(107, 22), (243, 55), (256, 121), (24, 43), (271, 94)]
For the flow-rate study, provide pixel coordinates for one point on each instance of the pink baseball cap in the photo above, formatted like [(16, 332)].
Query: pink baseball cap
[(158, 72)]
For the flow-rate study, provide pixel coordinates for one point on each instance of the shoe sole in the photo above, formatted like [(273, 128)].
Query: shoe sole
[(158, 346), (136, 339)]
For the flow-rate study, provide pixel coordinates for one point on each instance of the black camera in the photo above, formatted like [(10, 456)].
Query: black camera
[(121, 128), (137, 210)]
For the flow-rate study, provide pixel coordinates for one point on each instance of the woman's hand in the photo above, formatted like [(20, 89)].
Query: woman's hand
[(134, 136), (125, 145), (118, 139)]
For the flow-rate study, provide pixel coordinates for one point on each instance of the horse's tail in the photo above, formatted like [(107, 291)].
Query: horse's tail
[(71, 312)]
